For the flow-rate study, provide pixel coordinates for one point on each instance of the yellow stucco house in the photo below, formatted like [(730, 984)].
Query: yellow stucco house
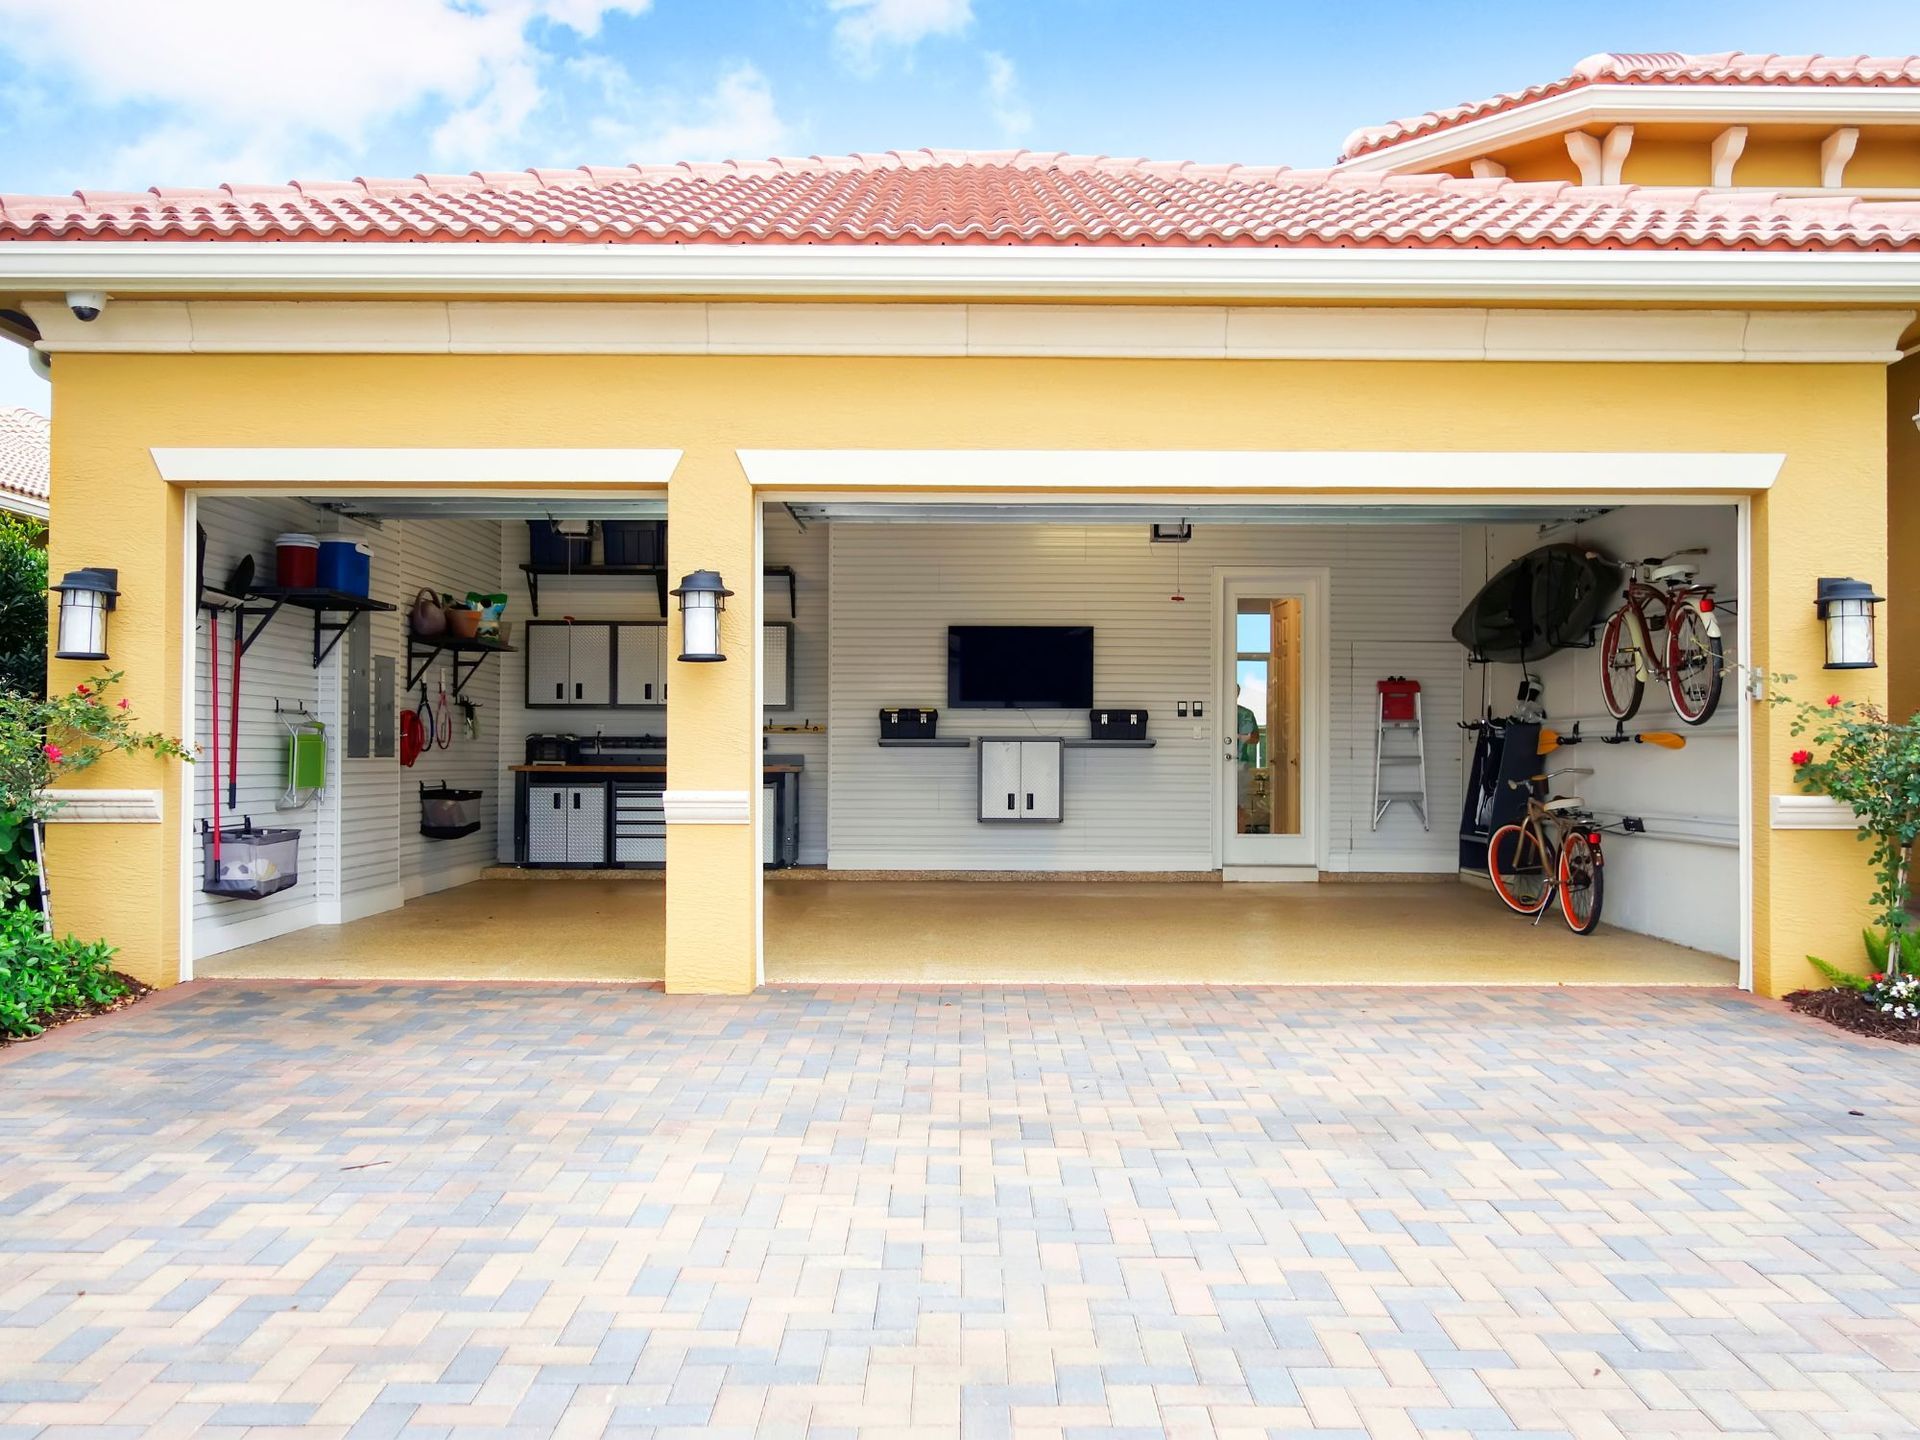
[(1071, 512)]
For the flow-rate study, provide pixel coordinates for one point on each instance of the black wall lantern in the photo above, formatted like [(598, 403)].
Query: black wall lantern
[(86, 598), (703, 595), (1845, 607)]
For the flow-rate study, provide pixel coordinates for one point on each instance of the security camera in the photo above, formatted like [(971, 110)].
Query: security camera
[(86, 304)]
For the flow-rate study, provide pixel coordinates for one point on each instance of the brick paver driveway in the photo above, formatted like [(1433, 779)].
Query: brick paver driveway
[(387, 1210)]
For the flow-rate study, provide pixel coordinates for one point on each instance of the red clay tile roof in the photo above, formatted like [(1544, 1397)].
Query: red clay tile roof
[(960, 198), (1731, 67), (23, 455)]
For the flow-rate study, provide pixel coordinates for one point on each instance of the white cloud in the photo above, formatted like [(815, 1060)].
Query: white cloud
[(1004, 100), (244, 82), (736, 119), (867, 26)]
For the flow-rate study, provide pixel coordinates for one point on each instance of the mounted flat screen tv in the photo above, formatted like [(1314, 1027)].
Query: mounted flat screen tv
[(1019, 667)]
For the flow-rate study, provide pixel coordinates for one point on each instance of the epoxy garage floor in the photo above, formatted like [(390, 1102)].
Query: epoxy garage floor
[(973, 932), (367, 1210)]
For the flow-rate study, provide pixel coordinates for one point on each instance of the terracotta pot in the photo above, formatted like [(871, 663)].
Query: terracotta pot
[(463, 624)]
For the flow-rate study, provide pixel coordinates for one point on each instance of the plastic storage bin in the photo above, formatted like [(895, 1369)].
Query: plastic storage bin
[(547, 546), (908, 723), (634, 542), (296, 561), (1117, 724), (243, 863), (447, 814)]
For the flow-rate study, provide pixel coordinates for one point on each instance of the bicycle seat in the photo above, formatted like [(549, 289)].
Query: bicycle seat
[(1674, 574), (1562, 802)]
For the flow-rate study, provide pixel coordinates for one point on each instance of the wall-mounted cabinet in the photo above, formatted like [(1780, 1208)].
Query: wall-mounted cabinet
[(626, 664), (568, 665), (640, 662), (1020, 779)]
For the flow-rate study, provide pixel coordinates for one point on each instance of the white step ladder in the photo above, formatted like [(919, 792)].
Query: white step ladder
[(1397, 762)]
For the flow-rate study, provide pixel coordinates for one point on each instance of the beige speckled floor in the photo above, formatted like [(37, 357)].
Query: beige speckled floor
[(934, 932)]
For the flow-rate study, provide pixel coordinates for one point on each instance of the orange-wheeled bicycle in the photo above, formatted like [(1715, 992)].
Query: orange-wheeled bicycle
[(1553, 850)]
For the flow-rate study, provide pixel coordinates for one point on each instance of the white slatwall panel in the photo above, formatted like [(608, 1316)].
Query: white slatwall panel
[(1698, 786), (806, 552), (370, 812), (451, 557), (279, 664), (896, 587)]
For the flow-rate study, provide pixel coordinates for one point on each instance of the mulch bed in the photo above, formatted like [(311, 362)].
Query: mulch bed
[(1847, 1010), (136, 992)]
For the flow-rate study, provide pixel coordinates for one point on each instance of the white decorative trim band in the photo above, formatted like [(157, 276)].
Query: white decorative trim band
[(105, 807), (128, 268), (1195, 331), (1169, 471), (247, 465), (1811, 812), (707, 807)]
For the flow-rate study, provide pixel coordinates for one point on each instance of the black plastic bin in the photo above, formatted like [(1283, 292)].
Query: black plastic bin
[(547, 546), (908, 722), (1117, 723), (446, 813), (251, 864), (634, 542)]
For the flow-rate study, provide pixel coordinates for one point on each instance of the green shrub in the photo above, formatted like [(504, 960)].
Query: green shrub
[(23, 607), (42, 974)]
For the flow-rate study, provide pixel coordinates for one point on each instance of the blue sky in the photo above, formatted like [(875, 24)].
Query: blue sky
[(129, 93)]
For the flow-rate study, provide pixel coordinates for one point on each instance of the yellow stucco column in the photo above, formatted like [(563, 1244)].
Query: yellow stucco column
[(1824, 516), (713, 758), (120, 882)]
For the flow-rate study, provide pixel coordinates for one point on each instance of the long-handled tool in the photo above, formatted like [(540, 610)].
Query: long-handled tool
[(213, 720)]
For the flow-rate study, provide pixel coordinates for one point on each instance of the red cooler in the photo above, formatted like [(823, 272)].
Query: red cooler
[(296, 561)]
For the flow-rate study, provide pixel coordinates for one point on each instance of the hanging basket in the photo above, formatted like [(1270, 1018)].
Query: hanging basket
[(242, 863), (446, 813)]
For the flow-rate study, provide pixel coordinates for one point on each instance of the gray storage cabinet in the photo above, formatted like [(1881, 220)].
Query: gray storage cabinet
[(639, 825), (566, 824), (639, 664), (568, 664), (1020, 779)]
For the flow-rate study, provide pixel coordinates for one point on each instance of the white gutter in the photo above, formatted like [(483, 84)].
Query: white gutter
[(290, 269)]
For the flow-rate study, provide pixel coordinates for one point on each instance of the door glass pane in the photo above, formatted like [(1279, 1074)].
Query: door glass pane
[(1266, 674)]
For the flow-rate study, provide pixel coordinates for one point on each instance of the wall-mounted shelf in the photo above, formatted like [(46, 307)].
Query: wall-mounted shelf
[(929, 743), (658, 573), (468, 656), (1111, 744), (323, 604)]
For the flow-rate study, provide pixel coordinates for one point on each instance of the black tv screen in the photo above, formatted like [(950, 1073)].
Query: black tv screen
[(1019, 667)]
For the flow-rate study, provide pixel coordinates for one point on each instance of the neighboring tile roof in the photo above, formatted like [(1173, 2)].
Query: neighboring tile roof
[(24, 465), (1731, 67), (995, 198)]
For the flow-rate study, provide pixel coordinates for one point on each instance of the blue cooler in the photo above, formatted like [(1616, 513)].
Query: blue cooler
[(345, 565)]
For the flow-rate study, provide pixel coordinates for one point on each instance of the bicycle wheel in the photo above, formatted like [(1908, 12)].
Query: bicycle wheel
[(1696, 664), (1581, 883), (1620, 684), (1518, 865)]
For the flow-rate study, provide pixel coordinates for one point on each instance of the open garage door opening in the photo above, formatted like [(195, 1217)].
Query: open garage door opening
[(1238, 742), (412, 710)]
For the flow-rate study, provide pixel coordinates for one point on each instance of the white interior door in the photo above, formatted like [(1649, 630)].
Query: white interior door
[(1270, 718)]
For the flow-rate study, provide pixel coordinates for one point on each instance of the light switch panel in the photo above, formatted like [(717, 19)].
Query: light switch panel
[(1180, 709), (1199, 709)]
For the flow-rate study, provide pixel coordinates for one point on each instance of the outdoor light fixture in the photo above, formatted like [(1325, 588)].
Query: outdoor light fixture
[(703, 595), (85, 598), (1845, 607)]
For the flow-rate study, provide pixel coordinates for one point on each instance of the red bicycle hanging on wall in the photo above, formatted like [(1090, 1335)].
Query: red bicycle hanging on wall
[(1666, 630)]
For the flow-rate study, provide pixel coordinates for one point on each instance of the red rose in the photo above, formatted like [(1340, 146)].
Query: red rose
[(81, 690), (1802, 757), (1876, 977), (1833, 702), (52, 752), (123, 704)]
